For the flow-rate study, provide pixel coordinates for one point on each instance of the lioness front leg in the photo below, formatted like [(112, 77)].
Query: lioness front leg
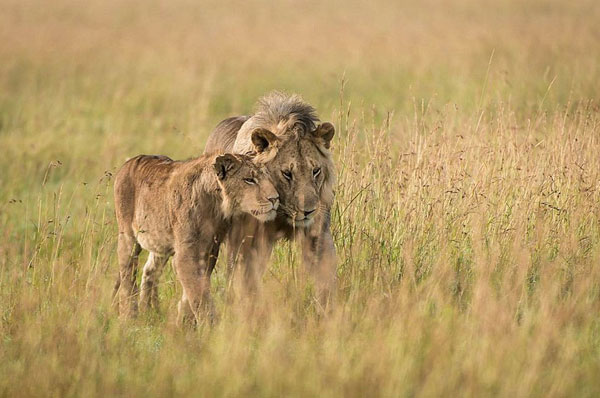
[(193, 271)]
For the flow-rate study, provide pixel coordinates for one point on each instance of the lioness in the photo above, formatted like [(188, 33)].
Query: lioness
[(183, 208), (299, 160)]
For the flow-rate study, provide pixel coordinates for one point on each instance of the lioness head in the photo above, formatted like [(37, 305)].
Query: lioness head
[(301, 168), (245, 187)]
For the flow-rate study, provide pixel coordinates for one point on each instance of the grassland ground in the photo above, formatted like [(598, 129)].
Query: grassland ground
[(466, 217)]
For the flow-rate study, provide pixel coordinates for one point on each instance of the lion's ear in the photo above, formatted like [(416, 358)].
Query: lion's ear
[(263, 139), (225, 164), (325, 133)]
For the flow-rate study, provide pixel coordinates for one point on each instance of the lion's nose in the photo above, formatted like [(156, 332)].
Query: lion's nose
[(274, 199), (308, 212)]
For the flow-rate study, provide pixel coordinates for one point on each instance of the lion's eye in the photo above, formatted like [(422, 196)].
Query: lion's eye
[(250, 181), (316, 172), (287, 174)]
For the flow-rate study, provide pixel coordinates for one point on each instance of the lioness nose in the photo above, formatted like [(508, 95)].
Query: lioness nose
[(308, 212), (273, 199)]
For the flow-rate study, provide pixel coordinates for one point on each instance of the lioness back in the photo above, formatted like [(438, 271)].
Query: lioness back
[(139, 173)]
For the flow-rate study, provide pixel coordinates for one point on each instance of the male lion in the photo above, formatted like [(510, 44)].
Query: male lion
[(300, 163), (183, 208)]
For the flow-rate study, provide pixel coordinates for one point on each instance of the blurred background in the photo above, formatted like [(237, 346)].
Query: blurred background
[(466, 214), (214, 58), (170, 70)]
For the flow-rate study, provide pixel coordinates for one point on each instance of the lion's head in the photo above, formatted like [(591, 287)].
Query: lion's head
[(245, 187), (301, 168)]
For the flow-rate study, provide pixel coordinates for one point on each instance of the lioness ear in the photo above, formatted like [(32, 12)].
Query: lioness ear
[(225, 164), (263, 139), (325, 132)]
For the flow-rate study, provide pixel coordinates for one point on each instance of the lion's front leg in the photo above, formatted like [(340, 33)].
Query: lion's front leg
[(319, 257), (249, 247)]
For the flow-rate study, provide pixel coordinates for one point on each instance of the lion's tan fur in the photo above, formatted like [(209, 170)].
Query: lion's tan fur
[(182, 208), (301, 146)]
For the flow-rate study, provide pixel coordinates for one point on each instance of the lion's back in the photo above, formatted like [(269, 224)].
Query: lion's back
[(223, 137)]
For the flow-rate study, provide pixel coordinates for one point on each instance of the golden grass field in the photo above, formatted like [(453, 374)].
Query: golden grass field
[(466, 217)]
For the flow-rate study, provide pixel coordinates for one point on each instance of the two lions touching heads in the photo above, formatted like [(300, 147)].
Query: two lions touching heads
[(263, 178)]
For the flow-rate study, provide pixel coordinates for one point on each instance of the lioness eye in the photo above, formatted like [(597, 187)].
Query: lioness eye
[(316, 172), (250, 181), (287, 175)]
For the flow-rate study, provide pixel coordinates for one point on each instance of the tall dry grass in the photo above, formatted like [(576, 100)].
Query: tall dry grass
[(466, 218)]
